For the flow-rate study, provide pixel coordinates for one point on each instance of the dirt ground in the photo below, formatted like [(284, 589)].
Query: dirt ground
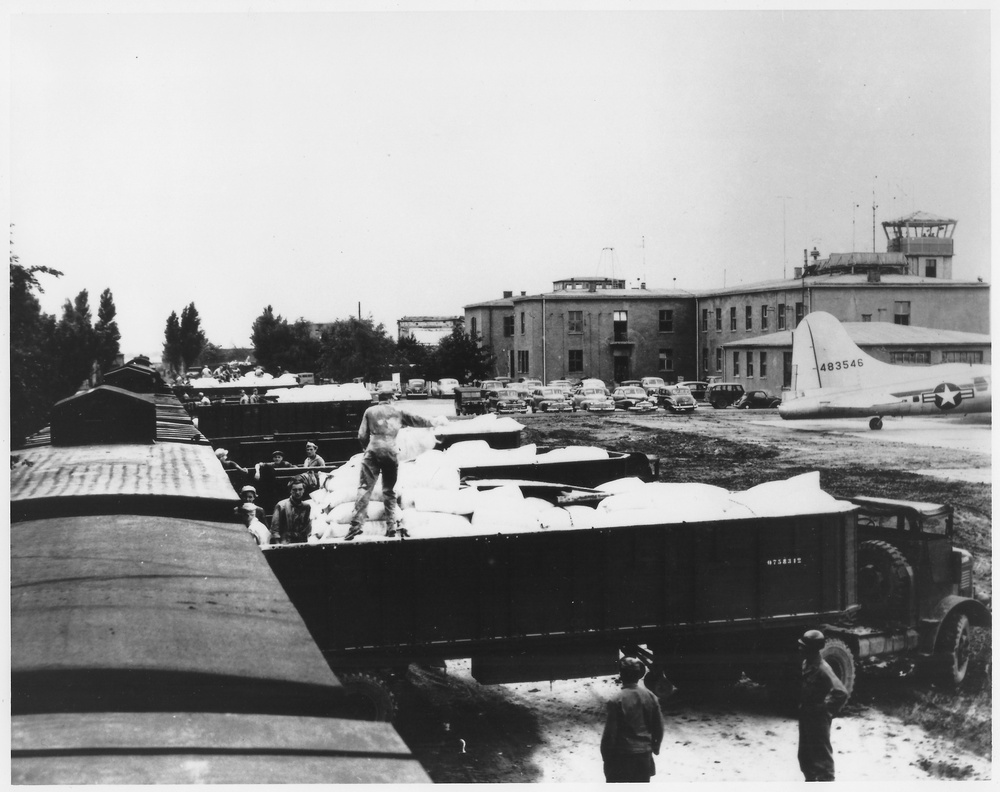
[(896, 726)]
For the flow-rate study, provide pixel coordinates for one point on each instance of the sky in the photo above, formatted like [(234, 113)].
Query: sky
[(328, 162)]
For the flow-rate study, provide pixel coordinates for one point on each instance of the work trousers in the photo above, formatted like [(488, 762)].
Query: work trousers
[(629, 768), (374, 462), (815, 751)]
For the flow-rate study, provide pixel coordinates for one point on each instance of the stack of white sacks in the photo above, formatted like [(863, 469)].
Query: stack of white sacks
[(431, 502)]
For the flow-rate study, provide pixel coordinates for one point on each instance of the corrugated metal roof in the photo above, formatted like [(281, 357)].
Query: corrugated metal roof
[(868, 334)]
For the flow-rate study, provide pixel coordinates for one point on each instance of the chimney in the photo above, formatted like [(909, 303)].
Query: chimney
[(642, 285), (524, 294), (508, 294), (798, 273)]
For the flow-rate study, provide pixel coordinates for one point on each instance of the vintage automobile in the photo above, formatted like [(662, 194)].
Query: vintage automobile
[(416, 389), (697, 388), (533, 383), (564, 385), (677, 398), (631, 383), (652, 385), (592, 382), (550, 400), (593, 400), (444, 388), (506, 402), (487, 386), (388, 386), (522, 389), (757, 400), (723, 394), (631, 396)]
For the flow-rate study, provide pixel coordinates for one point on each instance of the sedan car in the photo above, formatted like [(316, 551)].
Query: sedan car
[(487, 386), (652, 385), (677, 398), (593, 400), (507, 402), (550, 400), (522, 389), (697, 389), (757, 400), (444, 388), (417, 389), (630, 397)]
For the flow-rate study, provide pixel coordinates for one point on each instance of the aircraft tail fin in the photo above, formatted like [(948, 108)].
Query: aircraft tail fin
[(824, 356)]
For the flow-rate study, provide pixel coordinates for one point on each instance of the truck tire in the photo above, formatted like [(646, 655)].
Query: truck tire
[(953, 647), (841, 660), (369, 697), (884, 579)]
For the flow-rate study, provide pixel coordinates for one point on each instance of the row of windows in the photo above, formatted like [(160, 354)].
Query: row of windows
[(762, 359), (765, 317), (574, 322)]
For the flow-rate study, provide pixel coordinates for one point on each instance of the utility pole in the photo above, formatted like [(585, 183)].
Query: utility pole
[(784, 238)]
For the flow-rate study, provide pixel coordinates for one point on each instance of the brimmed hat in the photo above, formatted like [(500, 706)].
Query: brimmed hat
[(813, 640), (277, 452), (249, 488), (221, 452), (631, 669), (249, 507)]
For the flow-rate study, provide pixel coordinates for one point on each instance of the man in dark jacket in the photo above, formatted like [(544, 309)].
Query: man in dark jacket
[(823, 696), (633, 730)]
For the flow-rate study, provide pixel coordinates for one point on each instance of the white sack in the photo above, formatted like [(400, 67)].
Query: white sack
[(622, 485)]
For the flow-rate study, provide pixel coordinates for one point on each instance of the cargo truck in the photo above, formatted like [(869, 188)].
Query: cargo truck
[(721, 598)]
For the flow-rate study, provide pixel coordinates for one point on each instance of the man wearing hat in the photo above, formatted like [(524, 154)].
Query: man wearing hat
[(823, 695), (248, 495), (633, 730), (249, 517)]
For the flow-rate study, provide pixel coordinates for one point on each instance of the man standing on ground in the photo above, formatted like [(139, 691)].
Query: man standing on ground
[(290, 523), (823, 696), (379, 427), (633, 730)]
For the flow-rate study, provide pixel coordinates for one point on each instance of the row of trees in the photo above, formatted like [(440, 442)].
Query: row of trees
[(51, 358)]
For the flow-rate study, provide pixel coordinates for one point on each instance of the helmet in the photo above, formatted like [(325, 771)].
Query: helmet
[(813, 640), (631, 669)]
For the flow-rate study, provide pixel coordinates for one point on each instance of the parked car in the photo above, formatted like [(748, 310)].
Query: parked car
[(388, 386), (444, 388), (563, 385), (504, 380), (486, 386), (697, 388), (677, 398), (534, 383), (591, 382), (593, 400), (628, 397), (306, 378), (631, 384), (550, 400), (521, 389), (417, 389), (723, 394), (507, 402), (652, 385), (757, 400)]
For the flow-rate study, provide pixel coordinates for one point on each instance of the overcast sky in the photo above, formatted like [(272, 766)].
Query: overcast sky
[(414, 163)]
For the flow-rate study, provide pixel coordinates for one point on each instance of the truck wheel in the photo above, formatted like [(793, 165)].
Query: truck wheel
[(883, 579), (368, 697), (840, 659), (954, 646)]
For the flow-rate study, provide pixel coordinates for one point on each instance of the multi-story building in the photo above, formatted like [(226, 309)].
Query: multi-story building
[(426, 330), (598, 328)]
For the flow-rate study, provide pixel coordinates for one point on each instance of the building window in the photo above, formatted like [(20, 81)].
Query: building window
[(704, 320), (621, 325), (576, 360), (473, 327), (718, 319), (781, 316), (911, 357), (902, 316), (961, 356), (786, 369), (704, 358), (667, 321), (732, 319), (749, 313), (508, 326), (575, 323), (930, 269), (866, 317), (736, 363), (763, 365), (800, 311), (763, 317), (522, 361), (522, 322), (749, 364), (666, 360), (718, 359)]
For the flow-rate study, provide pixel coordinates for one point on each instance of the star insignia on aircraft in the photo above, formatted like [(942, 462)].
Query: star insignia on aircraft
[(946, 396)]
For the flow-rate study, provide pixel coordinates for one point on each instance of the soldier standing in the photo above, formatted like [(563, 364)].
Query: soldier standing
[(823, 696)]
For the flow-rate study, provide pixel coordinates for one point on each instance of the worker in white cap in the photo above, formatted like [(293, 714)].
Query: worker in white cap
[(633, 730)]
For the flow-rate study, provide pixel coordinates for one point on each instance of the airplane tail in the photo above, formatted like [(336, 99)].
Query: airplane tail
[(824, 356)]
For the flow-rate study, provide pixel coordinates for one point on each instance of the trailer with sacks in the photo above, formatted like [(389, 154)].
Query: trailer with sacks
[(696, 581)]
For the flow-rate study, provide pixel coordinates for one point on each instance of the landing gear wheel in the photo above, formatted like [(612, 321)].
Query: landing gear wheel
[(954, 647), (840, 659), (369, 697), (883, 579), (875, 423)]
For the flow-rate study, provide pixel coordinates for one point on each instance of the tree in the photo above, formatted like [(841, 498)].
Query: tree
[(460, 355), (106, 331), (75, 345), (172, 344), (192, 337), (356, 348), (413, 356), (32, 386)]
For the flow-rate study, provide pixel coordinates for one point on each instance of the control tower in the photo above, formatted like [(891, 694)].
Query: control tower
[(925, 240)]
